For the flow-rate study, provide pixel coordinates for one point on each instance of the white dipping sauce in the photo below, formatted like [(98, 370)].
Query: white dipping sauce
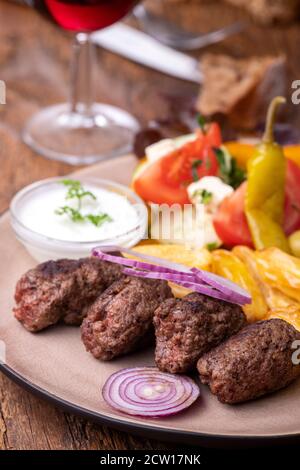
[(38, 214)]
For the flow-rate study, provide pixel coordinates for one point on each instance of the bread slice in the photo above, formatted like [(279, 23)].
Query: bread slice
[(268, 11), (240, 89)]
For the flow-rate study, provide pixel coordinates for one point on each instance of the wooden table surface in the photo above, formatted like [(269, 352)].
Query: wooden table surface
[(34, 59)]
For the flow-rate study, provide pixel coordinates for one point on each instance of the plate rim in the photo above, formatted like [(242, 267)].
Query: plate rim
[(144, 430), (147, 430)]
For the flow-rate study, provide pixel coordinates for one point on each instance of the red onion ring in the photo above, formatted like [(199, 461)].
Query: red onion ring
[(152, 260), (147, 392), (192, 278), (188, 283), (220, 283), (180, 277)]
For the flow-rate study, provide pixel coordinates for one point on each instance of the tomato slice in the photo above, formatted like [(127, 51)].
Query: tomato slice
[(230, 220), (165, 180), (213, 135), (292, 198), (153, 187)]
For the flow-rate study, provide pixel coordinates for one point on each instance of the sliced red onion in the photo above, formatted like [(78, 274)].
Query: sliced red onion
[(153, 260), (196, 279), (222, 284), (134, 263), (189, 283), (147, 392), (173, 277)]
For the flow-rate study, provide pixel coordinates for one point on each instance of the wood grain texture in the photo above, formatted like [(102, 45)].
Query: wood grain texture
[(34, 58)]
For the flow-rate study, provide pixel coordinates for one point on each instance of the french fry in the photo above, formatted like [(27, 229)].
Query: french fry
[(280, 270), (228, 265), (280, 305), (291, 317), (198, 258)]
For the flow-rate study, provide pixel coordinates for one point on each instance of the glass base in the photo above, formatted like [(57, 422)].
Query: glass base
[(78, 138)]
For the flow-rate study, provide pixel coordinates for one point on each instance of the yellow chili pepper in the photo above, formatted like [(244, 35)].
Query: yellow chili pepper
[(264, 203), (294, 241)]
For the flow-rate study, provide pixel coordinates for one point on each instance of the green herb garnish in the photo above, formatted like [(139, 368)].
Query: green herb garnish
[(74, 214), (195, 165), (208, 164), (229, 170), (224, 167), (212, 246), (204, 195), (238, 175), (202, 123), (77, 192), (98, 219)]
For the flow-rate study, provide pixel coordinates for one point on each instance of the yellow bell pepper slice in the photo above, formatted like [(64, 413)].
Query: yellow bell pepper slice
[(292, 152), (242, 152)]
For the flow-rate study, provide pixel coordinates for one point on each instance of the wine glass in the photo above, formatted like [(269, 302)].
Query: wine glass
[(81, 131)]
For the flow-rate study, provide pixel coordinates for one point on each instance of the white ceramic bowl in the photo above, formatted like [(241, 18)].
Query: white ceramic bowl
[(44, 248)]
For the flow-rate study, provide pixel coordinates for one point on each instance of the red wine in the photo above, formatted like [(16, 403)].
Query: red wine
[(85, 15)]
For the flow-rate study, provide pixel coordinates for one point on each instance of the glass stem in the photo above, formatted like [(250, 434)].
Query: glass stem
[(81, 98)]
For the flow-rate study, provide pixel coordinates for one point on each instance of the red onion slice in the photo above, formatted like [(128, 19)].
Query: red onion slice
[(172, 277), (222, 284), (196, 279), (153, 261), (147, 392), (134, 263), (189, 283)]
